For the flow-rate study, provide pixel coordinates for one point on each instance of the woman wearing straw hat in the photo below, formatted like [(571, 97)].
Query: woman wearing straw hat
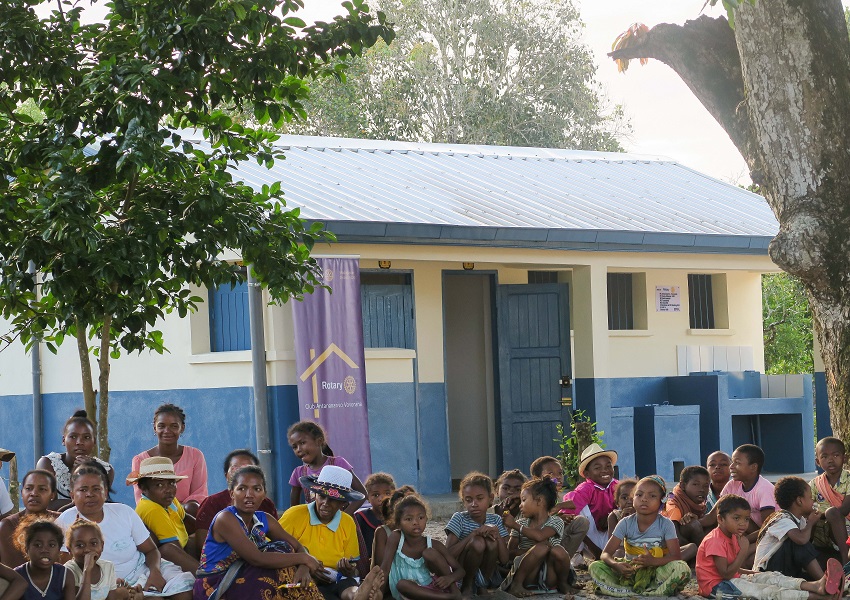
[(594, 497), (331, 535)]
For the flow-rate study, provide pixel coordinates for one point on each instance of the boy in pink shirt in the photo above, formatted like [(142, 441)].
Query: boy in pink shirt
[(724, 550), (594, 497)]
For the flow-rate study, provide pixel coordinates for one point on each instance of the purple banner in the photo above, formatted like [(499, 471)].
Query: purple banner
[(330, 362)]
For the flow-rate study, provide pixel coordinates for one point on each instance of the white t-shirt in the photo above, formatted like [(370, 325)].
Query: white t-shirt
[(123, 530), (99, 589), (5, 501), (773, 538)]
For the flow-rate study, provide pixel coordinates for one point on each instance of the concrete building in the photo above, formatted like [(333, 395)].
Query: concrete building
[(490, 276)]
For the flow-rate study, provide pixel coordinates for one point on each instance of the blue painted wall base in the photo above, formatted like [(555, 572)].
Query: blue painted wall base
[(663, 413), (222, 419)]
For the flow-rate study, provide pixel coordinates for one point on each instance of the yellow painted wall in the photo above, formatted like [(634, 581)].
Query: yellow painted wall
[(598, 353)]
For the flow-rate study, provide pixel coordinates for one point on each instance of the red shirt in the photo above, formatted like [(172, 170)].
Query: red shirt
[(716, 543), (216, 503)]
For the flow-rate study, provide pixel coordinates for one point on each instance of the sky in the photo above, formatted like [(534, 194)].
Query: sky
[(666, 118)]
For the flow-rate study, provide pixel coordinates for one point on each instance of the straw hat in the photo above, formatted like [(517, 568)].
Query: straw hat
[(333, 482), (594, 451), (158, 467)]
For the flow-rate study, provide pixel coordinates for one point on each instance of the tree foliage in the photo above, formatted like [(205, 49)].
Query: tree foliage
[(788, 333), (480, 71), (117, 208)]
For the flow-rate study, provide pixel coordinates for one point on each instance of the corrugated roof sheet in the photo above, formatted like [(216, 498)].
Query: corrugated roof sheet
[(373, 181)]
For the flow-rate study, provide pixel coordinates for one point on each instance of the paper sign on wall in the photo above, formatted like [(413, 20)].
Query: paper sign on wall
[(668, 298)]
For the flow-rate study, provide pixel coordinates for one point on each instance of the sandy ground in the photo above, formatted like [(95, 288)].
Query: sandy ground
[(436, 529)]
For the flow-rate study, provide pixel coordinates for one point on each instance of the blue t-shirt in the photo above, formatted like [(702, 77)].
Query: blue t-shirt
[(652, 541), (461, 524)]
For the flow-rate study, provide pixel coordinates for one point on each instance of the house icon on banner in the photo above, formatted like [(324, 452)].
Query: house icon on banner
[(310, 371)]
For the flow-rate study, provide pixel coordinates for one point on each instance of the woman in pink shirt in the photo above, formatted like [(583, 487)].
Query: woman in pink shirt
[(169, 422)]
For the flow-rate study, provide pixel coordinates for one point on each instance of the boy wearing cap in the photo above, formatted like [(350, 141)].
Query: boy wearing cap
[(328, 533), (594, 497), (161, 513)]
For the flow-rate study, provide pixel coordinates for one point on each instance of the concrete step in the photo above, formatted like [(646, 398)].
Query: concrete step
[(443, 506)]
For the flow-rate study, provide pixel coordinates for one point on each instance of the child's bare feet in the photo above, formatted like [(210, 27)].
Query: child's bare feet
[(519, 591)]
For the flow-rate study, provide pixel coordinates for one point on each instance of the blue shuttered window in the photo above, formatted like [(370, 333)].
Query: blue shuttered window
[(621, 313), (230, 326), (387, 304), (701, 301)]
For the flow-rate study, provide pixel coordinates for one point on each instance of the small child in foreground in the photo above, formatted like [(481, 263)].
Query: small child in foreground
[(476, 538), (46, 578), (831, 490), (652, 565), (94, 577), (418, 567), (382, 533), (379, 487), (575, 526), (686, 508), (724, 550), (784, 542), (540, 562)]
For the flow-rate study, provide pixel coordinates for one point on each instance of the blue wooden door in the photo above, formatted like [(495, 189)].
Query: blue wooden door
[(534, 356), (387, 315), (230, 325)]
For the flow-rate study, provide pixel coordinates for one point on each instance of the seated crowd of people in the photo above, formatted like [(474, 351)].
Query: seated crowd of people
[(343, 539)]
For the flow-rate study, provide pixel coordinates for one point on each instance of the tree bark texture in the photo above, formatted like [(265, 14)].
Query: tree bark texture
[(89, 396), (779, 84), (104, 450)]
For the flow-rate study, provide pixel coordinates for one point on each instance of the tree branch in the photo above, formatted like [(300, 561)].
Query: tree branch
[(704, 54)]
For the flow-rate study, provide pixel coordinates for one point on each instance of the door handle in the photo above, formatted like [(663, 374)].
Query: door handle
[(565, 381)]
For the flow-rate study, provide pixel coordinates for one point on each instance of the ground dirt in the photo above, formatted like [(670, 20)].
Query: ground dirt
[(436, 529)]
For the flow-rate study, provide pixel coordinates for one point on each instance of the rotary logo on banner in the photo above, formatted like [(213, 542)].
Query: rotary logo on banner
[(330, 360)]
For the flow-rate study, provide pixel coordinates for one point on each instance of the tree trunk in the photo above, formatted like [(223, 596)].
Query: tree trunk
[(103, 383), (791, 123), (89, 395)]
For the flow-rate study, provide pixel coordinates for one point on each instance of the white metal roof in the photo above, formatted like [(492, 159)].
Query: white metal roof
[(383, 189)]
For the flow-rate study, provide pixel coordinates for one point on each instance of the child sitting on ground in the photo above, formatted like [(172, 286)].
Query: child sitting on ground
[(831, 490), (724, 550), (46, 578), (718, 469), (747, 482), (575, 526), (162, 514), (94, 577), (508, 487), (686, 508), (418, 567), (652, 565), (624, 493), (379, 487), (784, 542), (382, 533), (329, 533), (594, 497), (540, 562), (476, 538), (309, 443)]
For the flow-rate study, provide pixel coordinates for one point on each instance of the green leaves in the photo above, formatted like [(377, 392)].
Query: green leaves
[(730, 6), (116, 159)]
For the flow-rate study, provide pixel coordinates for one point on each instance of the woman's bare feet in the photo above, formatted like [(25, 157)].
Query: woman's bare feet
[(370, 585)]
